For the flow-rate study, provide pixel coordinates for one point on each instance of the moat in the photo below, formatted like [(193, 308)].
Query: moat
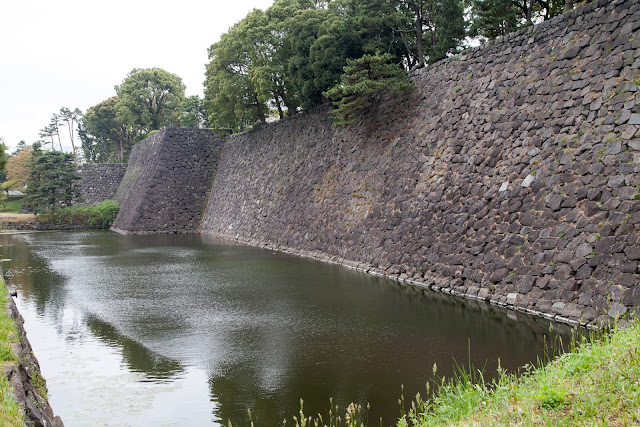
[(188, 330)]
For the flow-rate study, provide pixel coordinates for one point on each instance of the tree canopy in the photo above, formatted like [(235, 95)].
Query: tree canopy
[(53, 181), (149, 98), (363, 79), (18, 169), (282, 61)]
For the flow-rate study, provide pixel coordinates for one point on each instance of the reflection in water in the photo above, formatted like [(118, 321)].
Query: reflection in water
[(155, 367), (222, 328)]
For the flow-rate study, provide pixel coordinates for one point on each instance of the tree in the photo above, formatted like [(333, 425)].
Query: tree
[(493, 18), (3, 154), (231, 99), (149, 99), (53, 181), (363, 79), (71, 119), (52, 130), (22, 144), (18, 169), (430, 29), (192, 113), (105, 138)]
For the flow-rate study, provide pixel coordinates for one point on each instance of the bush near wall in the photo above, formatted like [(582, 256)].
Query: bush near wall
[(101, 215)]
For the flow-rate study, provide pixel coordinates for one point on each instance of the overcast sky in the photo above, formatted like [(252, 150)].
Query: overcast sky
[(71, 53)]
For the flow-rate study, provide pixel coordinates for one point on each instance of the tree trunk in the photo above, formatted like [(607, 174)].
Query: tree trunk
[(277, 98), (418, 12), (261, 115)]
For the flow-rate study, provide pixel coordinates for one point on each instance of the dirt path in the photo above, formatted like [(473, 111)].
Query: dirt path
[(13, 217)]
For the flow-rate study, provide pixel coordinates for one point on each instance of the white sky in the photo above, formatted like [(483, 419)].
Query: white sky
[(71, 53)]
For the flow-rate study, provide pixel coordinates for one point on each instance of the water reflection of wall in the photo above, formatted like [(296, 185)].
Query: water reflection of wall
[(138, 358)]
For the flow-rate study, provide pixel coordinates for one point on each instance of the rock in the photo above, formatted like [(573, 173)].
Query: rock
[(616, 310), (634, 119), (526, 183), (583, 250)]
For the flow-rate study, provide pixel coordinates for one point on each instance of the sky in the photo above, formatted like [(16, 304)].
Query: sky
[(71, 53)]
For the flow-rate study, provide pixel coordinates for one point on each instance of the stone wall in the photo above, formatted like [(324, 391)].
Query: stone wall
[(166, 184), (510, 174), (99, 181), (24, 375)]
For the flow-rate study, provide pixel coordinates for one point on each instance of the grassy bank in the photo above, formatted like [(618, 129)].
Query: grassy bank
[(102, 215), (10, 412), (11, 205), (597, 383)]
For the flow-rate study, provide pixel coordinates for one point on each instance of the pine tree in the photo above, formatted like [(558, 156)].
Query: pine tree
[(363, 79), (53, 181)]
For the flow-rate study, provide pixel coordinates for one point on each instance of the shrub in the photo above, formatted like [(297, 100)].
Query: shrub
[(102, 215)]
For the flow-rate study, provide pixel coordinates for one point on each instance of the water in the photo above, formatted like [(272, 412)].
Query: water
[(187, 330)]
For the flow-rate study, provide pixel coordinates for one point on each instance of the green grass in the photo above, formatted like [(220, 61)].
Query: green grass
[(11, 205), (596, 383), (11, 413)]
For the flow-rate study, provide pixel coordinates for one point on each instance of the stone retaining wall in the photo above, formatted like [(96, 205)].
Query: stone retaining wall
[(24, 374), (100, 181), (510, 174), (166, 184)]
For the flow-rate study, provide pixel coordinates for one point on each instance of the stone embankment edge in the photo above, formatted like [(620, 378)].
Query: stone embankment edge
[(436, 283), (42, 226), (21, 375)]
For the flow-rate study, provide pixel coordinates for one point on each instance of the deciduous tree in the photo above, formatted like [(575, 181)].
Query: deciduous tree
[(149, 98), (18, 169), (106, 138)]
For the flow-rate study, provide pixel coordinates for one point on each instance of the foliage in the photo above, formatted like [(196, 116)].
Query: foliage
[(3, 155), (65, 118), (102, 215), (18, 170), (283, 60), (594, 384), (105, 138), (493, 18), (149, 99), (71, 119), (192, 113), (53, 181), (429, 29), (362, 80)]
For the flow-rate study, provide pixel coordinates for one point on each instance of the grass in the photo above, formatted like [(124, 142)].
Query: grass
[(596, 383), (11, 414), (11, 205)]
